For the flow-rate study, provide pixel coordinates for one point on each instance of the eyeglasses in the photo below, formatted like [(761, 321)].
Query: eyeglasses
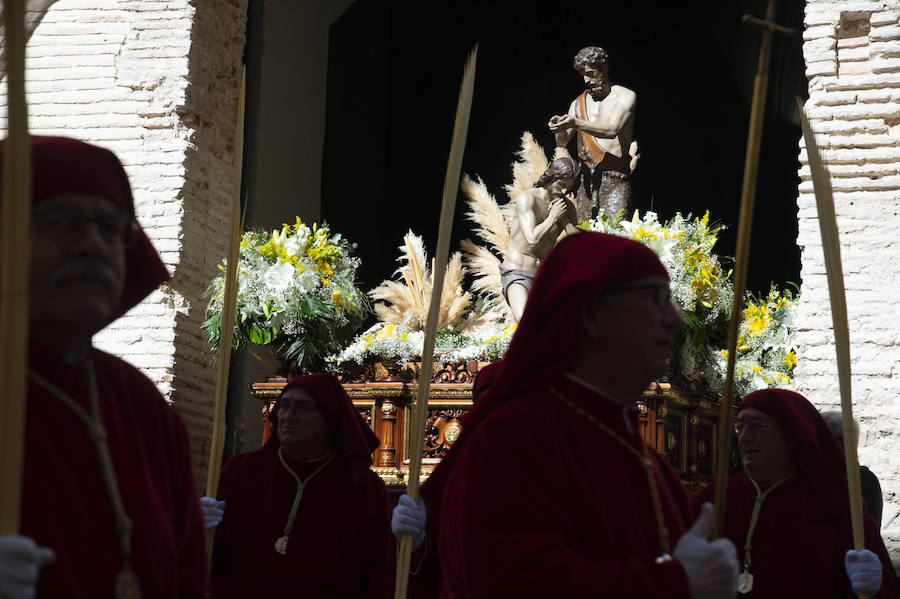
[(754, 426), (68, 226), (661, 294)]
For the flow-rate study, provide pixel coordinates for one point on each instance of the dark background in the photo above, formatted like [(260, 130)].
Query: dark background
[(393, 80)]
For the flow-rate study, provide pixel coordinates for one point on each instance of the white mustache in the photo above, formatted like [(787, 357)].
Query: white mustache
[(86, 269)]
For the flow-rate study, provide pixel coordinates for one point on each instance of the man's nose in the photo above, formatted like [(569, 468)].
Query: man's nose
[(90, 240), (672, 317)]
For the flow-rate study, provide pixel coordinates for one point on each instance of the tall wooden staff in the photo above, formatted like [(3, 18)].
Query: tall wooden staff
[(420, 409), (745, 226), (15, 244), (229, 300), (832, 248)]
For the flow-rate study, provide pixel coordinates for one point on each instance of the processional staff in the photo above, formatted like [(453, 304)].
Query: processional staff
[(229, 301), (831, 246), (742, 253), (420, 409), (15, 244)]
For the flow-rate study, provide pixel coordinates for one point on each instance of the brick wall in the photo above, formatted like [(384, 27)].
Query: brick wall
[(156, 81), (852, 52)]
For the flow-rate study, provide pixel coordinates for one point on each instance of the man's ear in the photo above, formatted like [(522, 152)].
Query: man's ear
[(588, 318)]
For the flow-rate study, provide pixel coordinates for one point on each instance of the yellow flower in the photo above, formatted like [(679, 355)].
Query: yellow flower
[(756, 320), (388, 332), (790, 360), (783, 378)]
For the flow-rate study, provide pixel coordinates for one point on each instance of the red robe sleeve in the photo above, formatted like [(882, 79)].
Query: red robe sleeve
[(380, 561), (189, 528), (541, 505)]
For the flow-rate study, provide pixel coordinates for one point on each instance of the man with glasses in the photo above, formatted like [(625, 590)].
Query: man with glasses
[(550, 490), (109, 503), (305, 516), (788, 511)]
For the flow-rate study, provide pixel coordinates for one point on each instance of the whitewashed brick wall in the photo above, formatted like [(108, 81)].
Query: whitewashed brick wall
[(852, 52), (155, 81)]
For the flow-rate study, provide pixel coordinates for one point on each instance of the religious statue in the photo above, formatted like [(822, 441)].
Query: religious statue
[(542, 214), (603, 119)]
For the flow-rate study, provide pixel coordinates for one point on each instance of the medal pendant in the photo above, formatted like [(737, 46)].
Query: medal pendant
[(744, 582), (281, 545), (127, 585)]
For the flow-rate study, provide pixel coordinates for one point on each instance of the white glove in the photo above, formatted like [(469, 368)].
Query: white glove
[(20, 564), (409, 517), (212, 511), (863, 570), (711, 567)]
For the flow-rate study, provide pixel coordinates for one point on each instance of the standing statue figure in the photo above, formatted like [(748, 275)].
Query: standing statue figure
[(603, 118), (542, 214)]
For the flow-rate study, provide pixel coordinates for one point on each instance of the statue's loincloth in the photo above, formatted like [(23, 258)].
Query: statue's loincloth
[(508, 276)]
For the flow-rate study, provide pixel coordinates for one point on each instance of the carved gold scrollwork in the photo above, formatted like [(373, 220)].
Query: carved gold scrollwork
[(451, 432), (460, 371), (661, 411), (442, 429)]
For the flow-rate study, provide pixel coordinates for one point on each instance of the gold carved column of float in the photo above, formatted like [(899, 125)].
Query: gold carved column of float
[(388, 457)]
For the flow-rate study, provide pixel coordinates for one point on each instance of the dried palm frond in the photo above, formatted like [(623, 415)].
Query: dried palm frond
[(530, 164), (489, 218), (486, 269), (406, 302)]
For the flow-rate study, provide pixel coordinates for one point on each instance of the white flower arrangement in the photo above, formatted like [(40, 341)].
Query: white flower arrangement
[(766, 354), (296, 292), (394, 342), (703, 291)]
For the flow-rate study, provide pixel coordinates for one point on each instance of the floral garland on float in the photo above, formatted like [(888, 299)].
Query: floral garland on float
[(703, 291), (296, 294)]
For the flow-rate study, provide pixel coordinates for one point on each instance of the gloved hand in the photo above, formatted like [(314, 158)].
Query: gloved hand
[(711, 567), (863, 570), (20, 564), (409, 517), (212, 511)]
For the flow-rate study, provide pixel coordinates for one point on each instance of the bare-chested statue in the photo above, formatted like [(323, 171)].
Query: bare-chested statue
[(603, 118), (543, 213)]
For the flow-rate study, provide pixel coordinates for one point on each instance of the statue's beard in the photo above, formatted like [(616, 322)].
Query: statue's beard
[(599, 90)]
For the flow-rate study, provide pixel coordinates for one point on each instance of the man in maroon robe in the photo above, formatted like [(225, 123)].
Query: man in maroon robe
[(550, 491), (305, 516), (108, 485), (797, 542)]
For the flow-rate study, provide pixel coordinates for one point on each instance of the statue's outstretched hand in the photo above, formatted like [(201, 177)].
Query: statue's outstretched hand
[(561, 122)]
